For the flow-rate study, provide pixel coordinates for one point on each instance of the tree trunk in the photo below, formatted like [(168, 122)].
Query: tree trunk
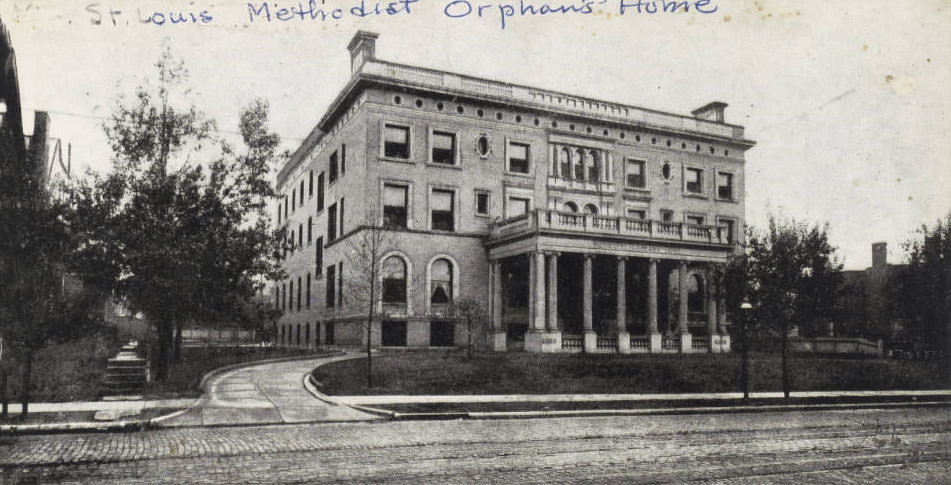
[(25, 388), (745, 368), (786, 360), (177, 357), (4, 402), (164, 350), (469, 337)]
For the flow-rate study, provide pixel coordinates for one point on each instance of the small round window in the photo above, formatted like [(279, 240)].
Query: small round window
[(665, 171)]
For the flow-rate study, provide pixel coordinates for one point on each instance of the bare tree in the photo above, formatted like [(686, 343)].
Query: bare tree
[(367, 247), (474, 315)]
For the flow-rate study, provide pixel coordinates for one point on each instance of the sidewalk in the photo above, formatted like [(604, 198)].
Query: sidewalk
[(93, 406)]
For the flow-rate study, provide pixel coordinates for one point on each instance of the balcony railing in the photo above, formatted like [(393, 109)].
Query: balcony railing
[(597, 224), (700, 344)]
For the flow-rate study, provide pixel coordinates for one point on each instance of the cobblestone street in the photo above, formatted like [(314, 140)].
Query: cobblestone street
[(898, 445)]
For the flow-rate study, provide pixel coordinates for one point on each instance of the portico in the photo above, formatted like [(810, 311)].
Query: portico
[(604, 293)]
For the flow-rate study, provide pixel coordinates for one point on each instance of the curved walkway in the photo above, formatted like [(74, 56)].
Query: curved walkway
[(268, 393)]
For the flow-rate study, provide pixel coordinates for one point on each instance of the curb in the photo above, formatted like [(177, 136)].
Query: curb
[(396, 416), (310, 384)]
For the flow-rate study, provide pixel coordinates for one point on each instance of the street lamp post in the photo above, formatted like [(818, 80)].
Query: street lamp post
[(745, 308)]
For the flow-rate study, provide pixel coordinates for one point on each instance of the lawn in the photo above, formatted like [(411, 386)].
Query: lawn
[(185, 375), (425, 372)]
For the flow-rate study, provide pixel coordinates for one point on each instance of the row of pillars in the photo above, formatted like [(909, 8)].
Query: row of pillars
[(543, 319)]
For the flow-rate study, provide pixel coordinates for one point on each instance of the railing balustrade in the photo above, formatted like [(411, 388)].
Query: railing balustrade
[(572, 342), (604, 343), (640, 344), (700, 343), (670, 343)]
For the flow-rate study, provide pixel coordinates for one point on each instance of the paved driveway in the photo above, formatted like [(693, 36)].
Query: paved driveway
[(270, 393)]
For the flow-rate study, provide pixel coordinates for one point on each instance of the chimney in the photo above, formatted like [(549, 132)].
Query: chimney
[(362, 48), (879, 255), (710, 112)]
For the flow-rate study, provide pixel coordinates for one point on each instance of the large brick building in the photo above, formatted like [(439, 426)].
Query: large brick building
[(583, 225)]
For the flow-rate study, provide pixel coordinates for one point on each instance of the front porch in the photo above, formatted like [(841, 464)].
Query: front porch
[(553, 291)]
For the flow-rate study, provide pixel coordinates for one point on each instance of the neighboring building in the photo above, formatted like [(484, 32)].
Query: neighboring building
[(24, 158), (544, 205), (865, 299)]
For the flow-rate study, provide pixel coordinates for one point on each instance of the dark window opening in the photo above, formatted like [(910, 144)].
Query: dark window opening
[(440, 282), (725, 185), (482, 203), (320, 192), (396, 141), (332, 171), (518, 157), (441, 334), (635, 174), (331, 293), (443, 210), (332, 222), (395, 202), (393, 333), (394, 280), (694, 182), (319, 256), (444, 148)]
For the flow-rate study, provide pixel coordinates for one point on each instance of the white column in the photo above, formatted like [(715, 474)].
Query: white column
[(712, 335), (686, 342), (652, 332), (590, 338), (498, 333), (553, 292), (539, 323), (623, 336)]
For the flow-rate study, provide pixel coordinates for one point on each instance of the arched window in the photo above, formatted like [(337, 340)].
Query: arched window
[(441, 282), (565, 156), (570, 207), (394, 280), (590, 209), (577, 164), (593, 162)]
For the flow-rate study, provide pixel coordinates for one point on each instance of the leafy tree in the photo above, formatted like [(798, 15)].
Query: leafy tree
[(792, 277), (920, 294), (181, 242), (36, 309)]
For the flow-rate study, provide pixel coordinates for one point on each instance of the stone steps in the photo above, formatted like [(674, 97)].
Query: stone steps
[(126, 373)]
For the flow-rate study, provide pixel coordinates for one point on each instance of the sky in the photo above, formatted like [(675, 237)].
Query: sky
[(848, 101)]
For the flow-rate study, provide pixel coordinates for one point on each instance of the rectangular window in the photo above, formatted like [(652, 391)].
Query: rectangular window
[(331, 293), (332, 171), (727, 230), (482, 203), (308, 291), (636, 214), (299, 287), (277, 297), (343, 159), (293, 200), (329, 333), (284, 297), (320, 192), (279, 213), (285, 207), (300, 235), (310, 229), (635, 174), (725, 185), (290, 298), (319, 256), (442, 210), (332, 222), (301, 192), (694, 220), (694, 181), (395, 202), (518, 157), (395, 141), (667, 215), (516, 206), (340, 216), (444, 148), (310, 184), (340, 284)]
